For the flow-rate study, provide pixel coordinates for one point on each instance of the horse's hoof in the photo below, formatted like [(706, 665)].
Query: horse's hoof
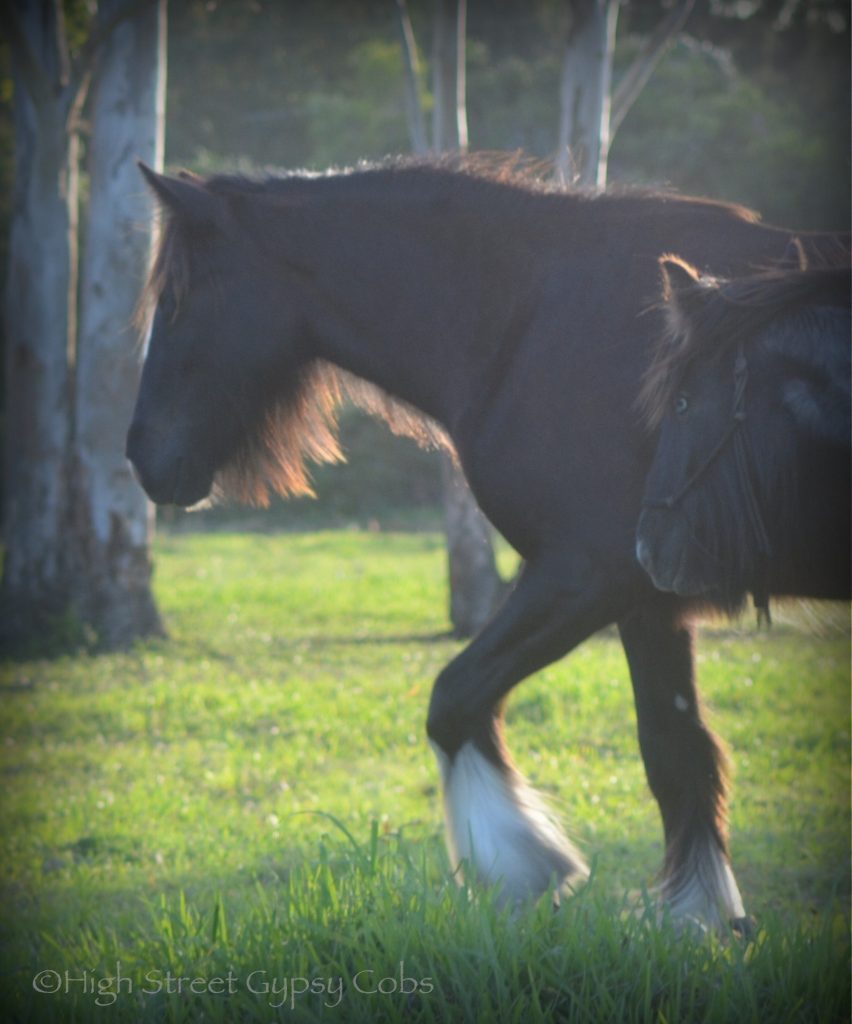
[(744, 927), (690, 924)]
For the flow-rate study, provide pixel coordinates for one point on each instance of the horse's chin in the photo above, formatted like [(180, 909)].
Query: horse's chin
[(671, 572), (208, 502), (681, 578), (193, 488), (685, 585)]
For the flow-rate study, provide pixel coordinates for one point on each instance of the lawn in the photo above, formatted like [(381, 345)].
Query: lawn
[(241, 822)]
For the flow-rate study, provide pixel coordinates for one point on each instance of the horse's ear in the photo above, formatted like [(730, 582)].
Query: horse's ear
[(185, 197), (684, 292), (678, 277)]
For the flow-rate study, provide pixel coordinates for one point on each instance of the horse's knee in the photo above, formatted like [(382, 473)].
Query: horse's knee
[(447, 724)]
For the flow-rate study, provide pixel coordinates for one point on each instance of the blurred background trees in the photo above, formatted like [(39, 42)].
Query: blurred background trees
[(749, 103)]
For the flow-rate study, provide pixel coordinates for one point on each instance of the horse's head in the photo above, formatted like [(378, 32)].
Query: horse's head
[(752, 403), (224, 355), (692, 410)]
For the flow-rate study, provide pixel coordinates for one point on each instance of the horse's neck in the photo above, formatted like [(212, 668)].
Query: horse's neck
[(415, 292), (398, 300)]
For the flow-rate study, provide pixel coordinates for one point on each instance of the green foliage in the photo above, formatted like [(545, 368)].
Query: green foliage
[(704, 127), (256, 794), (513, 102), (309, 85), (366, 120)]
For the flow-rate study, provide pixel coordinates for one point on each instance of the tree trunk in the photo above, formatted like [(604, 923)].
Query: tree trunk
[(40, 291), (449, 82), (411, 69), (475, 584), (634, 80), (583, 146), (112, 521)]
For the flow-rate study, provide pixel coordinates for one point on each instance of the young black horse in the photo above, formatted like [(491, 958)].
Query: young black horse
[(510, 315), (750, 486)]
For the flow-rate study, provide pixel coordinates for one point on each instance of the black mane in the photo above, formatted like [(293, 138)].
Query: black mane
[(736, 310), (708, 318), (467, 176), (476, 180)]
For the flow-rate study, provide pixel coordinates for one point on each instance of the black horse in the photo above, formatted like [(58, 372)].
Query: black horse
[(519, 321), (750, 486)]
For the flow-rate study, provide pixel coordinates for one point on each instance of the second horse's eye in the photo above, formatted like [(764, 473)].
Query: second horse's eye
[(681, 404)]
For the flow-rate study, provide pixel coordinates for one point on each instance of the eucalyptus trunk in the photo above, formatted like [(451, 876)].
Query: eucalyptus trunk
[(39, 305), (475, 584), (65, 422), (112, 523), (583, 146)]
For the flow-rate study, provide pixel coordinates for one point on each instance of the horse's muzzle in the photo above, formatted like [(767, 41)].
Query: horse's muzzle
[(661, 552), (165, 476), (674, 560)]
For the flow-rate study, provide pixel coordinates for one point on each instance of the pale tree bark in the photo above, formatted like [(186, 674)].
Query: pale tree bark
[(39, 300), (449, 79), (590, 112), (474, 583), (42, 564), (112, 523), (411, 69), (583, 144), (476, 588)]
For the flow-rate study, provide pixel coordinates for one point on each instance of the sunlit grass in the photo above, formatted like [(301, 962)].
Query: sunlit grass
[(255, 794)]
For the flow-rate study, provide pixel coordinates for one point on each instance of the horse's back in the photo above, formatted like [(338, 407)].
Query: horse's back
[(555, 445)]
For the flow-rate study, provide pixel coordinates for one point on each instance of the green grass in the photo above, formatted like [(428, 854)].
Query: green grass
[(255, 794)]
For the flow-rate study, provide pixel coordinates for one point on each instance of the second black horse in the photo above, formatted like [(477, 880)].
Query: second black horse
[(750, 485)]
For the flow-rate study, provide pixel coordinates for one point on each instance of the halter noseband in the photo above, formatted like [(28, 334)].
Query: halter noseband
[(733, 431)]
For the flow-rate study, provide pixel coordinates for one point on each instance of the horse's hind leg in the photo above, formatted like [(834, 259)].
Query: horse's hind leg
[(496, 823), (685, 766)]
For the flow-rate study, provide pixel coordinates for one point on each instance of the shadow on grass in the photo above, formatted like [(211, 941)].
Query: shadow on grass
[(368, 640)]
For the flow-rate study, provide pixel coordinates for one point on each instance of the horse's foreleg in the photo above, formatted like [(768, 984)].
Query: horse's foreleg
[(685, 765), (497, 825), (499, 830)]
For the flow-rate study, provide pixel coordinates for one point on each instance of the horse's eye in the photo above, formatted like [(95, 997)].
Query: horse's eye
[(681, 404)]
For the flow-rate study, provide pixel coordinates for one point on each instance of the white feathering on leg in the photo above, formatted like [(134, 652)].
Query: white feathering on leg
[(706, 892), (501, 826)]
